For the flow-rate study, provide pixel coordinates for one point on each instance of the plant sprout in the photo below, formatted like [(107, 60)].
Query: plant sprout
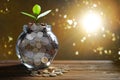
[(36, 12)]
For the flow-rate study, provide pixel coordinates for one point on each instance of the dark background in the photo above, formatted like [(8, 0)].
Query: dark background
[(70, 36)]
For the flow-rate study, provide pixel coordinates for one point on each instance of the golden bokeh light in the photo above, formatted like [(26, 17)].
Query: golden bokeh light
[(91, 22), (10, 39), (76, 53), (119, 52), (74, 44)]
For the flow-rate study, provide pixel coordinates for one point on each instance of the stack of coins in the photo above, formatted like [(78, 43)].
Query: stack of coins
[(52, 72)]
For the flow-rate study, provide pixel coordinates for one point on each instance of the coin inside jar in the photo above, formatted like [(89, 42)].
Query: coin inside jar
[(35, 50), (38, 45), (44, 59), (37, 62)]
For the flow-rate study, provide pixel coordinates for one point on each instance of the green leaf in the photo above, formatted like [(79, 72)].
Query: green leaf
[(36, 9), (30, 15), (43, 14)]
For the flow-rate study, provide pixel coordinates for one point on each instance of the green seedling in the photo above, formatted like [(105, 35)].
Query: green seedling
[(36, 12)]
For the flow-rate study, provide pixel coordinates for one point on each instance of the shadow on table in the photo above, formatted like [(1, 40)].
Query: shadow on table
[(13, 71)]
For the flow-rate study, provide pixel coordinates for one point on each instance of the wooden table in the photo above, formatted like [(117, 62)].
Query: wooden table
[(80, 70)]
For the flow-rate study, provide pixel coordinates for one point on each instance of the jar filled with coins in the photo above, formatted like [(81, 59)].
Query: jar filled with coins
[(36, 46)]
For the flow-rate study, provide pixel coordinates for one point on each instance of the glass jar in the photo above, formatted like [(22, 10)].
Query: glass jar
[(36, 46)]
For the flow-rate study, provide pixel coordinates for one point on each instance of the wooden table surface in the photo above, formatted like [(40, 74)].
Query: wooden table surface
[(80, 70)]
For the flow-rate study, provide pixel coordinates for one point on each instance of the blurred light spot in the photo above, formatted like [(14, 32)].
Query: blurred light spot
[(74, 44), (105, 51), (10, 39), (89, 35), (118, 37), (119, 52), (82, 40), (65, 28), (8, 0), (100, 53), (100, 48), (9, 52), (76, 53), (103, 29), (6, 9), (108, 31), (104, 35), (95, 50), (94, 5), (113, 39), (99, 3), (56, 9), (101, 13), (95, 34), (65, 16), (113, 34), (78, 5), (110, 51), (91, 22), (1, 11), (70, 22), (74, 24), (119, 58), (60, 15), (48, 63), (68, 27), (5, 46), (85, 2)]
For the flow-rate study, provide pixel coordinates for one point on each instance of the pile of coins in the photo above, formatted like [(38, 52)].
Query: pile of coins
[(37, 45), (50, 72)]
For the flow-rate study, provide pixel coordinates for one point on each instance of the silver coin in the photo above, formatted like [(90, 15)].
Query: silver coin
[(32, 43), (28, 54), (37, 39), (57, 70), (58, 73), (35, 50), (27, 60), (38, 55), (53, 75), (38, 45), (33, 34), (44, 40), (45, 75), (37, 61), (29, 37), (64, 71), (40, 34), (45, 71)]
